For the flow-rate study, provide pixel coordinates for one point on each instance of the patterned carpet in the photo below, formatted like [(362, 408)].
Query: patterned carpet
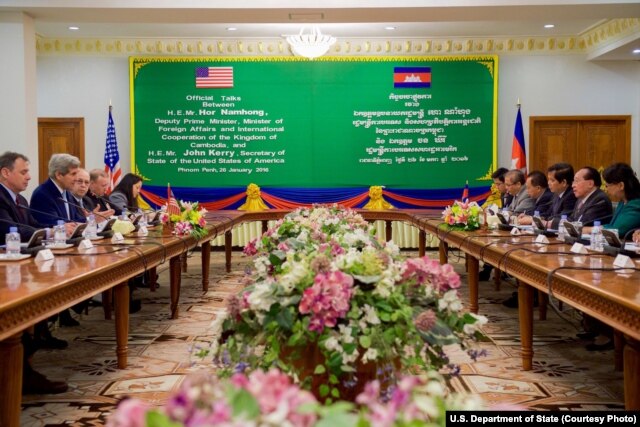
[(565, 376)]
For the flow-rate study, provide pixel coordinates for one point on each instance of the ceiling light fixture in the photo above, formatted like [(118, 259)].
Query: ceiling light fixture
[(311, 45), (390, 28), (231, 28), (74, 28), (636, 51), (549, 26)]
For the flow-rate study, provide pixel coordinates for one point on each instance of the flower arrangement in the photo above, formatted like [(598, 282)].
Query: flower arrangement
[(325, 286), (271, 399), (190, 220), (462, 215)]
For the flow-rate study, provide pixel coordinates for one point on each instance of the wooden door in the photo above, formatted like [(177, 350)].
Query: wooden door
[(59, 135), (596, 141)]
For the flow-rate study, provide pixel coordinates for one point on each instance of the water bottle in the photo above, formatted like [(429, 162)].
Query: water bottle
[(91, 232), (536, 214), (561, 230), (596, 244), (125, 214), (12, 240), (142, 222), (59, 234)]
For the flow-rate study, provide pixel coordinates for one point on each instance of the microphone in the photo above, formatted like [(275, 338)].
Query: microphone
[(29, 208), (84, 209)]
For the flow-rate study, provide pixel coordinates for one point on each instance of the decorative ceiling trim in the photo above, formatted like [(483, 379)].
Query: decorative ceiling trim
[(596, 38)]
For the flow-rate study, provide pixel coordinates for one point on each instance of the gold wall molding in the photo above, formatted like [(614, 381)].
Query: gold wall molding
[(593, 39)]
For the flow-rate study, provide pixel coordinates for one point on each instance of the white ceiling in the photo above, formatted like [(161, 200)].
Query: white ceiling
[(340, 18)]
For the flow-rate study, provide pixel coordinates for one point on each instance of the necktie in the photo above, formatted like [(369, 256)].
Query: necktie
[(66, 205), (22, 215)]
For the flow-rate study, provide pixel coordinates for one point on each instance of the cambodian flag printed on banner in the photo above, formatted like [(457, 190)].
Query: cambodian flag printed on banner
[(518, 153), (214, 77), (411, 77)]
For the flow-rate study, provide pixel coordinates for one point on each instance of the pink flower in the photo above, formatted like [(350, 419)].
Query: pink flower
[(250, 248), (130, 413), (429, 271), (425, 320), (327, 300), (283, 247)]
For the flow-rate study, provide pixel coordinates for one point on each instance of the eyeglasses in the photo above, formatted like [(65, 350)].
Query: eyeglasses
[(82, 181)]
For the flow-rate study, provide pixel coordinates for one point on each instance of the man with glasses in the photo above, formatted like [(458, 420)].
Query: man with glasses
[(80, 193), (97, 194), (514, 180), (593, 204)]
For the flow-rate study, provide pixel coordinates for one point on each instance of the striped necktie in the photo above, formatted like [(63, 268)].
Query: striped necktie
[(66, 205)]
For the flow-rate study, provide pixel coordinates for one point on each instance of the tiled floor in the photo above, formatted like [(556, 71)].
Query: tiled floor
[(565, 376)]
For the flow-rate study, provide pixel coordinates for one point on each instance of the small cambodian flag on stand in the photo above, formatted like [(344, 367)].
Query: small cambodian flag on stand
[(465, 192), (518, 153), (411, 77)]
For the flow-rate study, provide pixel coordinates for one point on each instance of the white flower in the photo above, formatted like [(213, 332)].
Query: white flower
[(289, 280), (345, 334), (332, 344), (370, 315), (370, 355), (470, 329), (261, 264), (303, 236), (391, 248), (262, 297), (450, 301)]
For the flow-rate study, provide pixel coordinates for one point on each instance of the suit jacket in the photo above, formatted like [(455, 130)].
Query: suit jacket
[(561, 206), (521, 202), (47, 198), (90, 201), (119, 202), (626, 218), (542, 204), (597, 207), (12, 215)]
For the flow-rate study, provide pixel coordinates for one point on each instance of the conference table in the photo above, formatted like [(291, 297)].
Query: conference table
[(31, 291), (588, 282)]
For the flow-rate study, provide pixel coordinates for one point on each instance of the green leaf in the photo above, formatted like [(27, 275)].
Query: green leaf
[(320, 369), (285, 319), (335, 393), (243, 402), (338, 419), (157, 419), (324, 390), (365, 341)]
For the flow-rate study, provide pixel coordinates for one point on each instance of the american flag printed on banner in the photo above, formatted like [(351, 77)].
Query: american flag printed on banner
[(214, 77), (172, 204), (111, 155)]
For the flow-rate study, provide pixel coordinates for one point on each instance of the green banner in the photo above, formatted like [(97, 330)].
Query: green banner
[(419, 122)]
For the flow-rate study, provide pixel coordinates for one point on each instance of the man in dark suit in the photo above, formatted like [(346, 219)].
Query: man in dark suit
[(538, 190), (593, 204), (98, 184), (560, 179), (14, 178), (50, 196)]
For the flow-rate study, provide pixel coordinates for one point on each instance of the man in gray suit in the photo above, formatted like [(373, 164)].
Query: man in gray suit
[(514, 180)]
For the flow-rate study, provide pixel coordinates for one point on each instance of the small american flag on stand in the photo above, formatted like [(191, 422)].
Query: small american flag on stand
[(214, 77), (111, 155), (172, 204)]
